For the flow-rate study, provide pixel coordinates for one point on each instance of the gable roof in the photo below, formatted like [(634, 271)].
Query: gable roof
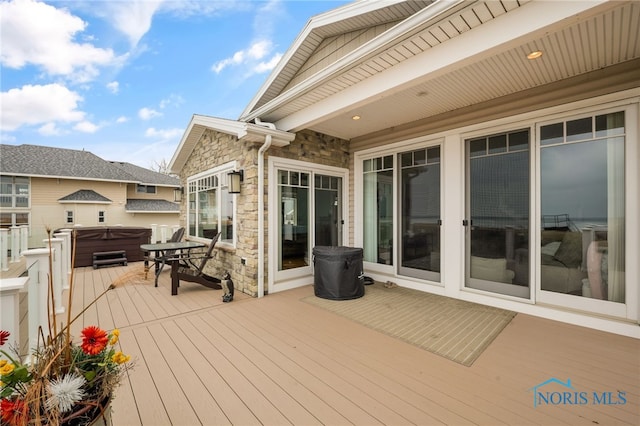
[(446, 56), (248, 132), (146, 176), (352, 17), (85, 196), (50, 162), (135, 205)]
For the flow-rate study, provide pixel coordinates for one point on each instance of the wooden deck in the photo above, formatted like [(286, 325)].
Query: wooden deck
[(278, 360)]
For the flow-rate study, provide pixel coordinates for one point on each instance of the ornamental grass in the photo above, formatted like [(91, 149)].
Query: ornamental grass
[(62, 381)]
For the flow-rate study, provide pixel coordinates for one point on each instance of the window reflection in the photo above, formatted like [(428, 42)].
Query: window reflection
[(582, 207)]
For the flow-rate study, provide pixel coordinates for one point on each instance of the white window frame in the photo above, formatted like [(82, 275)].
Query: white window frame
[(102, 214), (222, 174), (69, 214)]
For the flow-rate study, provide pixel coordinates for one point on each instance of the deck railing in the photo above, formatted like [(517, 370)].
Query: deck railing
[(55, 261), (42, 263)]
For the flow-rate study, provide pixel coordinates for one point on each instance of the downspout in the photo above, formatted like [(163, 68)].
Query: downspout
[(261, 254)]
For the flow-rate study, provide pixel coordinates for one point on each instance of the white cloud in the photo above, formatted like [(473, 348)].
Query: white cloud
[(172, 100), (164, 134), (86, 127), (122, 119), (40, 34), (251, 58), (148, 113), (50, 129), (113, 87), (267, 66), (132, 18), (37, 104)]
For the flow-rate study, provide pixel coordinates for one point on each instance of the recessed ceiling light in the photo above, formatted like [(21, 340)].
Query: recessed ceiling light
[(534, 55), (355, 117)]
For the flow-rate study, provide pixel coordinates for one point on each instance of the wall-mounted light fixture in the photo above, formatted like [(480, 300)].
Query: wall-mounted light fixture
[(235, 178), (177, 194)]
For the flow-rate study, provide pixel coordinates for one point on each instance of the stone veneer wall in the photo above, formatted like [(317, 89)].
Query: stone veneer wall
[(215, 149)]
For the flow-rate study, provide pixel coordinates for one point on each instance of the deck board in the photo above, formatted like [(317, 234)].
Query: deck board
[(278, 360)]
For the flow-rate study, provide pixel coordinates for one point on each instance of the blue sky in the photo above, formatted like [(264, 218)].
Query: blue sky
[(122, 79)]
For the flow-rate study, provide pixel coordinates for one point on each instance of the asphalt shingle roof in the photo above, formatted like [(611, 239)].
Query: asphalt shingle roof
[(85, 195), (146, 176), (139, 205), (36, 160)]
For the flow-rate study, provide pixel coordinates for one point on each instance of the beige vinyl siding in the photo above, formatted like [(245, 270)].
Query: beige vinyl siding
[(333, 48), (48, 212), (162, 193)]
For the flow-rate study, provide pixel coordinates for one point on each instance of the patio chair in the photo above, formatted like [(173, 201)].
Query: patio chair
[(160, 261), (190, 268)]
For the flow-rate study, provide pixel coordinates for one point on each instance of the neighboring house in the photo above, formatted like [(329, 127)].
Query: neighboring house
[(486, 151), (57, 188)]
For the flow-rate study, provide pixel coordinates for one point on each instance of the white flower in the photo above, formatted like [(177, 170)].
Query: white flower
[(65, 392)]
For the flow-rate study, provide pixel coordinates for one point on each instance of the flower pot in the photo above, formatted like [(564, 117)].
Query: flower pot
[(104, 419)]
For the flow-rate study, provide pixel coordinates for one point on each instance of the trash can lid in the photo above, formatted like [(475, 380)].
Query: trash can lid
[(337, 251)]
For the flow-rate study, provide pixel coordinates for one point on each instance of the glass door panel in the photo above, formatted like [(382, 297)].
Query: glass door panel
[(420, 213), (293, 213), (328, 210), (378, 210), (582, 247), (497, 228)]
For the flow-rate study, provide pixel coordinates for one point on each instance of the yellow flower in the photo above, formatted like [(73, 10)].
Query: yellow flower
[(115, 334), (120, 358), (6, 368)]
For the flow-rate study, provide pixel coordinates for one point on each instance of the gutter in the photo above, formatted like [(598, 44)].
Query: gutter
[(261, 254)]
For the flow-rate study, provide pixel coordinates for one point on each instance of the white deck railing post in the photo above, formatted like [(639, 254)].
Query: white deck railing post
[(56, 245), (4, 249), (15, 244), (163, 233), (65, 257), (10, 308), (38, 268), (24, 238), (154, 233)]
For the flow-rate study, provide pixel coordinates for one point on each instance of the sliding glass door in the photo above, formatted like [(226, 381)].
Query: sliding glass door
[(420, 213), (497, 213), (582, 203)]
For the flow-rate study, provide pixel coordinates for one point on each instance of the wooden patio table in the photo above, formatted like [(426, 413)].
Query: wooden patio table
[(177, 249)]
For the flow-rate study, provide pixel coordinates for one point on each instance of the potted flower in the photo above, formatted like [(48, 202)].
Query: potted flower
[(63, 382)]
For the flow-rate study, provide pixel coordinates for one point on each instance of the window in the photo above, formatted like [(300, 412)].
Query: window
[(211, 208), (378, 210), (101, 217), (69, 216), (582, 180), (146, 189), (14, 191), (7, 220)]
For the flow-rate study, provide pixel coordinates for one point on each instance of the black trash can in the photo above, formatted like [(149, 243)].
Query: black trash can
[(338, 273)]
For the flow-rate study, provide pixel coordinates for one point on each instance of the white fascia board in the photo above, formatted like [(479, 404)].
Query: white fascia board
[(531, 17), (242, 130), (87, 178), (84, 202), (327, 18)]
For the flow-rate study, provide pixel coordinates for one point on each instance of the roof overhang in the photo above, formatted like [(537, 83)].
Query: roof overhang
[(452, 55), (153, 211), (243, 131)]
